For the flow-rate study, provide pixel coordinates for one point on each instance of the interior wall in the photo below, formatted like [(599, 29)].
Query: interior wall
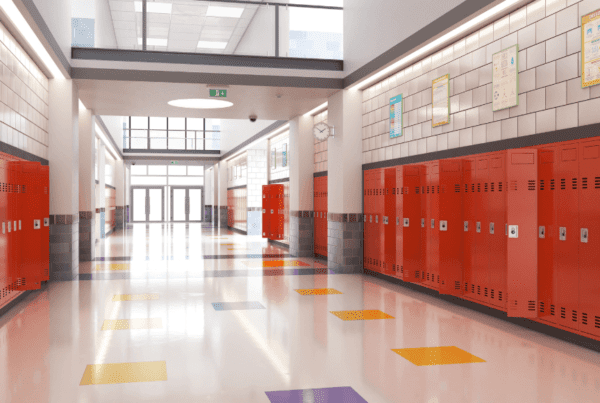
[(551, 97), (236, 131), (104, 29), (57, 16), (320, 162), (114, 124), (259, 38)]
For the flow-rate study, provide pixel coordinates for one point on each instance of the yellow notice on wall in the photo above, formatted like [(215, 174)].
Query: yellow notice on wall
[(590, 49)]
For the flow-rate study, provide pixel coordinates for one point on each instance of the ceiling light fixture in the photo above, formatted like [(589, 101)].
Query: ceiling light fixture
[(153, 41), (212, 45), (200, 103), (228, 12), (318, 109), (151, 7), (436, 43), (15, 16)]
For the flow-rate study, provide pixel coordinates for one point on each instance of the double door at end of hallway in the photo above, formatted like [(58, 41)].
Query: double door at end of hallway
[(186, 204), (148, 204)]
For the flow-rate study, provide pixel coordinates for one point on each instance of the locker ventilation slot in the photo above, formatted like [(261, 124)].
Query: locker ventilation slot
[(417, 274), (479, 187), (513, 186), (551, 184), (457, 285), (563, 184), (531, 185), (584, 318), (472, 288), (492, 187), (427, 276), (456, 188), (541, 307), (574, 183), (541, 184), (492, 294), (499, 186), (584, 183), (531, 306), (466, 188), (466, 287), (485, 188), (597, 182), (417, 190), (552, 310), (574, 316), (563, 313), (472, 188), (478, 290), (485, 292), (438, 278), (597, 322), (499, 295)]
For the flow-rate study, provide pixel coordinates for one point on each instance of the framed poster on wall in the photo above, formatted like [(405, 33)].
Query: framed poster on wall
[(284, 158), (273, 158), (440, 94), (505, 78), (590, 49), (396, 116)]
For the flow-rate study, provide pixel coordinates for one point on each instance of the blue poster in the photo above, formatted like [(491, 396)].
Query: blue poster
[(396, 116)]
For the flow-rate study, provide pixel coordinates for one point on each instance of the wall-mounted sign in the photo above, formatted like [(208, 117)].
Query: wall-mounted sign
[(396, 116), (273, 158), (284, 156), (440, 93), (217, 93), (590, 49), (505, 78)]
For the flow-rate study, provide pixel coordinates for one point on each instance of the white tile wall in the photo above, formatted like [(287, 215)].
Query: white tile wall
[(551, 97), (241, 161), (321, 146), (24, 99), (280, 171)]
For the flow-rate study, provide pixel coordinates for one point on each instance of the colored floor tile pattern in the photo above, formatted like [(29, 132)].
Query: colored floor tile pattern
[(277, 263), (237, 306), (369, 314), (134, 297), (103, 374), (113, 267), (318, 291), (324, 395), (437, 355), (132, 324)]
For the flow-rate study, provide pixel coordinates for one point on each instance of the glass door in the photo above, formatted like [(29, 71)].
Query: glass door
[(148, 204), (195, 204), (186, 204)]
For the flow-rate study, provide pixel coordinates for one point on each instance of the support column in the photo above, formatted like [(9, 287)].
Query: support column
[(208, 198), (120, 194), (301, 187), (63, 155), (87, 186), (344, 184), (100, 198), (222, 194), (257, 177)]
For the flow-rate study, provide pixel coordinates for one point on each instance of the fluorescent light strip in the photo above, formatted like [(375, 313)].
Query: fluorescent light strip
[(152, 7), (438, 42), (227, 12), (153, 41), (21, 24), (318, 109), (106, 143), (81, 105), (212, 45), (269, 136)]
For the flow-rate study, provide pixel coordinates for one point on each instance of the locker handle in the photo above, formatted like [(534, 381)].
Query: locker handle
[(584, 235), (466, 226), (513, 231), (562, 233), (422, 223), (542, 232)]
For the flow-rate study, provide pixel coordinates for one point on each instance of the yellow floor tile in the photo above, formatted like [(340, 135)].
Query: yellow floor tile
[(318, 291), (113, 267), (134, 297), (437, 355), (102, 374), (132, 324), (368, 314)]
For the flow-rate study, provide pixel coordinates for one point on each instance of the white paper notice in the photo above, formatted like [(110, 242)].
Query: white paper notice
[(441, 101), (591, 49), (505, 79)]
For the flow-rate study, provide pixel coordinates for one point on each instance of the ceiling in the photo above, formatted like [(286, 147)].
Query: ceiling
[(183, 27), (139, 98)]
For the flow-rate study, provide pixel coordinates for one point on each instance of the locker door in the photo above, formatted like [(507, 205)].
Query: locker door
[(367, 220), (496, 228), (589, 237), (450, 227), (278, 211), (481, 230), (265, 211), (432, 226), (547, 234), (4, 269), (316, 210), (29, 224), (423, 219), (380, 213), (399, 222), (324, 184), (469, 219), (12, 215), (412, 257), (389, 222), (522, 233), (567, 248)]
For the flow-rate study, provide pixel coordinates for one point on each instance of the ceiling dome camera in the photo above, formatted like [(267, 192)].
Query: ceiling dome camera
[(252, 118)]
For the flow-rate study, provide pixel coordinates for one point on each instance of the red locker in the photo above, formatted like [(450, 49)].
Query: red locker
[(522, 204), (4, 268), (29, 225), (277, 212), (424, 217), (12, 215), (589, 236), (324, 226), (431, 276), (450, 227), (496, 214), (265, 211), (367, 220), (412, 258), (567, 247), (399, 267), (469, 219), (379, 213), (389, 222), (547, 234), (481, 233)]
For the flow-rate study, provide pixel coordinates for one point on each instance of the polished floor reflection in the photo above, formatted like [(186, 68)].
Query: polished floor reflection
[(182, 320)]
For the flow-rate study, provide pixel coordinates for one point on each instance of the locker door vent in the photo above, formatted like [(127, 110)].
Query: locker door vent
[(466, 287), (457, 285), (499, 295), (597, 322), (472, 188), (574, 183), (531, 306), (552, 310), (492, 187), (443, 188), (597, 182), (485, 292), (513, 186), (443, 282), (472, 288), (406, 190), (457, 188), (499, 186), (574, 316), (427, 276), (438, 279), (563, 184), (531, 185), (417, 190), (485, 187), (478, 290), (541, 184), (438, 189), (584, 183), (466, 188), (401, 269), (492, 294), (551, 184), (478, 187), (584, 318), (562, 313), (541, 306), (417, 274), (23, 189), (423, 189)]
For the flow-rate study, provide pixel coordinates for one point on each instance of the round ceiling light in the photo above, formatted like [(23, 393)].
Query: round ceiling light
[(200, 103)]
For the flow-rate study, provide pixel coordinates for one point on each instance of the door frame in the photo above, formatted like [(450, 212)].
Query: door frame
[(147, 189), (187, 193)]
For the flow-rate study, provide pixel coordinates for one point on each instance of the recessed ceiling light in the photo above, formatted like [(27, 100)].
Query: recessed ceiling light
[(230, 12), (151, 7), (200, 103), (212, 45), (153, 42)]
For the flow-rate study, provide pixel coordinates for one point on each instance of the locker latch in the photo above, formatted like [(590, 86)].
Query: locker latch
[(466, 226), (385, 220), (443, 225), (406, 222), (9, 227), (513, 231), (19, 225), (272, 211), (505, 229), (46, 222), (584, 235), (36, 224), (4, 228), (562, 233), (542, 232), (377, 219), (370, 218), (397, 220), (365, 218), (492, 228), (432, 223), (478, 226), (264, 211), (422, 223)]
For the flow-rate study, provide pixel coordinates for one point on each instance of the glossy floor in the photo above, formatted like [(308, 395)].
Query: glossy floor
[(165, 341)]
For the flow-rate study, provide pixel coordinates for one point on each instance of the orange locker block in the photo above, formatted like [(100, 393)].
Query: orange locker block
[(399, 191), (266, 209), (423, 220), (389, 222), (29, 225), (12, 216), (45, 203), (412, 259), (482, 230), (5, 273), (379, 213), (522, 204), (496, 213), (431, 275), (277, 215), (469, 219)]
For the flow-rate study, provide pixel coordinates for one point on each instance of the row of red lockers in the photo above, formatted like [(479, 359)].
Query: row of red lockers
[(516, 230), (273, 206), (236, 208), (25, 222), (320, 205)]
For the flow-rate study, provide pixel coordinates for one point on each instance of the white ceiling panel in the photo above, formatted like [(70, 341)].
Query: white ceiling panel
[(186, 19), (158, 30), (190, 29), (183, 46), (179, 36), (124, 25), (159, 18), (188, 9), (122, 6), (125, 33), (123, 16), (220, 22)]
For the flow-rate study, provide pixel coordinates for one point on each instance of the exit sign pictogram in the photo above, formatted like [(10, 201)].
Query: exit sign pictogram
[(218, 93)]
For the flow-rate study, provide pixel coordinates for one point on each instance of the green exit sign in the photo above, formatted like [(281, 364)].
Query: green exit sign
[(218, 93)]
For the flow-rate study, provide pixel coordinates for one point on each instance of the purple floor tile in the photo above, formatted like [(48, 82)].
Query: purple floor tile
[(326, 395)]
